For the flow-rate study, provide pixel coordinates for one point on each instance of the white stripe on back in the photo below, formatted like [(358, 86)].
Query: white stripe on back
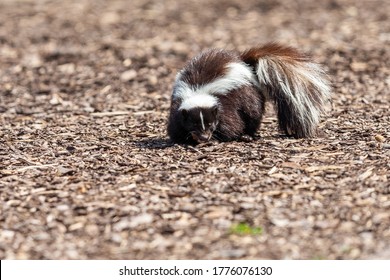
[(239, 74)]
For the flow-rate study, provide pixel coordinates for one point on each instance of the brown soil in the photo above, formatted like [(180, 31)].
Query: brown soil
[(86, 169)]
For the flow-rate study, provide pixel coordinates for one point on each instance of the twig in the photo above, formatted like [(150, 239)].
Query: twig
[(144, 112), (122, 113), (35, 166), (115, 113)]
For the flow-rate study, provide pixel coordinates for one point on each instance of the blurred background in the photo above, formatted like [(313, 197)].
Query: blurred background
[(141, 39)]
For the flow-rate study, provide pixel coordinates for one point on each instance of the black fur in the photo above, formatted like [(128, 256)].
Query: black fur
[(238, 114), (241, 113)]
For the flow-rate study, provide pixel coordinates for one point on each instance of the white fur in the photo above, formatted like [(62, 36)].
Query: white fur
[(302, 76), (239, 74), (182, 90), (199, 100), (201, 120)]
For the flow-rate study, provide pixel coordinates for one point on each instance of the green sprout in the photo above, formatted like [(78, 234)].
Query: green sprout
[(245, 229)]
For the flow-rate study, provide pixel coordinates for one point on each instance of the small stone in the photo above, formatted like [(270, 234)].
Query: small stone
[(380, 138), (76, 226), (72, 254), (62, 207), (279, 222), (92, 230), (141, 219), (7, 235), (128, 75), (358, 66), (153, 80), (55, 99), (68, 68), (355, 253), (212, 170), (62, 171), (110, 18), (116, 238), (134, 222), (346, 226), (127, 62), (106, 89), (41, 236), (33, 60), (128, 187), (180, 48)]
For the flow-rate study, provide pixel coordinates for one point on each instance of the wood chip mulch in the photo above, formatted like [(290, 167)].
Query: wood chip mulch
[(86, 168)]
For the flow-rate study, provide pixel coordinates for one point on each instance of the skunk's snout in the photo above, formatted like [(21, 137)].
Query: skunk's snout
[(201, 137), (204, 138)]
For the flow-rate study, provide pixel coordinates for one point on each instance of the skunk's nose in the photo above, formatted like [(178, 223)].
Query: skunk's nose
[(201, 137)]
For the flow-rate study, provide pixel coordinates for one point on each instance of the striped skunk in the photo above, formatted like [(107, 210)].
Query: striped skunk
[(221, 94)]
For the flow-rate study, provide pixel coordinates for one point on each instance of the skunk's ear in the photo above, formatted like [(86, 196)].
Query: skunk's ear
[(184, 113), (214, 110)]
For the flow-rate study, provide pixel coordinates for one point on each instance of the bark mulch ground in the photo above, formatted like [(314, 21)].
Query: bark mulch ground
[(86, 169)]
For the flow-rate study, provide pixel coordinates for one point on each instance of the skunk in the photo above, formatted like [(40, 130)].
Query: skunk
[(221, 94)]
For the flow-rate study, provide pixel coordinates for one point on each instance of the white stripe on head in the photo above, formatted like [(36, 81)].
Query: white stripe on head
[(200, 101), (201, 120)]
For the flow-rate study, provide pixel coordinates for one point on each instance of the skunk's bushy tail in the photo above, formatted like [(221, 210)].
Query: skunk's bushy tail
[(297, 86)]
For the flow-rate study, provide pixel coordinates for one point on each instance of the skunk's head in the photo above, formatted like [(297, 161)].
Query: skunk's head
[(200, 122), (199, 116)]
